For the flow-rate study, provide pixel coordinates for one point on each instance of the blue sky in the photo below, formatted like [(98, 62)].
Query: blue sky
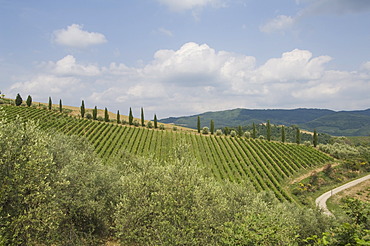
[(186, 57)]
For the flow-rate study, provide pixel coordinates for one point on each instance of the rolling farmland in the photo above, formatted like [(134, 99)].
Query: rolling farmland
[(266, 165)]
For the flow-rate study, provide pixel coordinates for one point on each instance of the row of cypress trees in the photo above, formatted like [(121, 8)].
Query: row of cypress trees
[(268, 134), (118, 119), (94, 116)]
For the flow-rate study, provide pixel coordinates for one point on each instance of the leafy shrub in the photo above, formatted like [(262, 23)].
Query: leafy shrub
[(307, 143), (233, 133), (149, 125), (339, 150), (205, 130), (89, 116), (161, 127), (54, 190), (218, 132)]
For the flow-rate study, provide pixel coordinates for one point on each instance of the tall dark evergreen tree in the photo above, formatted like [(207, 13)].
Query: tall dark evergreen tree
[(118, 117), (240, 131), (315, 138), (283, 137), (50, 103), (254, 131), (142, 117), (18, 100), (60, 105), (212, 127), (82, 109), (130, 118), (198, 124), (106, 115), (95, 113), (298, 136), (268, 131), (29, 101), (155, 122)]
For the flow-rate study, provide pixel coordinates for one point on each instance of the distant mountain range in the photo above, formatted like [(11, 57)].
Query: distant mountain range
[(336, 123)]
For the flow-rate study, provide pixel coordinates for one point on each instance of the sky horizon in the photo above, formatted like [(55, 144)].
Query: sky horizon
[(179, 58)]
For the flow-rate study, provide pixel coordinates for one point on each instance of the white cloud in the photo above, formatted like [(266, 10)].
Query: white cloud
[(292, 66), (280, 23), (366, 66), (45, 85), (191, 4), (75, 37), (196, 78), (165, 32), (68, 66)]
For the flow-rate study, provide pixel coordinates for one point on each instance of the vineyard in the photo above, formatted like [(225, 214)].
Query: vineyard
[(266, 165)]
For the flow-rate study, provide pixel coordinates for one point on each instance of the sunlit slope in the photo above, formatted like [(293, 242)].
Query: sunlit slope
[(266, 165)]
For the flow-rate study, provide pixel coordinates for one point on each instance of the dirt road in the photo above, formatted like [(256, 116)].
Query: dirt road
[(321, 200)]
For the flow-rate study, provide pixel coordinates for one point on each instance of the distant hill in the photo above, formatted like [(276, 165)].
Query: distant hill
[(342, 123)]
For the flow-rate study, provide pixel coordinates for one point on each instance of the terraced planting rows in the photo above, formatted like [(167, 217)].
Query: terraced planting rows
[(264, 164)]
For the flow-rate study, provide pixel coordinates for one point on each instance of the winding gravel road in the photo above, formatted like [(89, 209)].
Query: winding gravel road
[(321, 200)]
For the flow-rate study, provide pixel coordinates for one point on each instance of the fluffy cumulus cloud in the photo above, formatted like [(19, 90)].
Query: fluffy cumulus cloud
[(191, 4), (278, 24), (197, 78), (68, 66), (74, 36)]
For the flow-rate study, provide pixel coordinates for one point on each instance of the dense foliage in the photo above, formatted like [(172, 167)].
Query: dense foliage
[(53, 188)]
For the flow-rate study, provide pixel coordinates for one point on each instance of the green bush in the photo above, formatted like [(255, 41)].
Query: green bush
[(218, 132), (54, 190), (205, 130), (339, 150)]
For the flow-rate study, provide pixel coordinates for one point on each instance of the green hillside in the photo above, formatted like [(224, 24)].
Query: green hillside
[(344, 123), (266, 165)]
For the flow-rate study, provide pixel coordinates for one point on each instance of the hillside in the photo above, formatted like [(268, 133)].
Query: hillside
[(343, 123), (265, 165)]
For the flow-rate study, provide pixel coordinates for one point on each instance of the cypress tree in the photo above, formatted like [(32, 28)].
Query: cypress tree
[(60, 105), (155, 122), (198, 124), (50, 103), (130, 118), (118, 117), (283, 134), (254, 132), (82, 108), (106, 115), (29, 101), (212, 127), (298, 136), (240, 131), (95, 113), (18, 100), (268, 131), (142, 117), (315, 138)]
